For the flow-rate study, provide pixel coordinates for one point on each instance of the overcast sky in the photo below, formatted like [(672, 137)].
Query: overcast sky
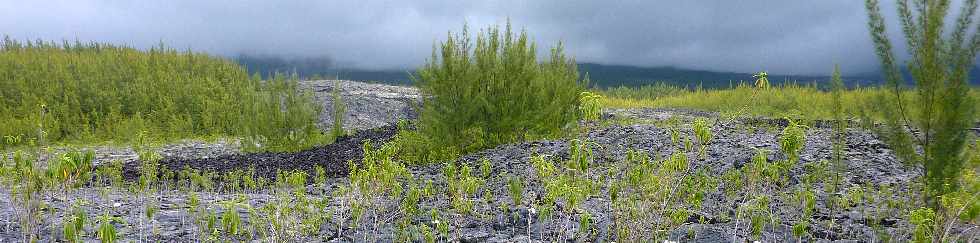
[(786, 37)]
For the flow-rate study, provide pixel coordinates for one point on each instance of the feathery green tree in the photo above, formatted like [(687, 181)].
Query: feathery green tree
[(942, 112), (495, 91), (839, 137)]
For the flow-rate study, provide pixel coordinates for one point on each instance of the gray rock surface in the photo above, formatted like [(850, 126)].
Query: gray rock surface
[(368, 105)]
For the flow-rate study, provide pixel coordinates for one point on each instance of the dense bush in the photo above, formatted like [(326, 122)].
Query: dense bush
[(495, 91), (81, 92)]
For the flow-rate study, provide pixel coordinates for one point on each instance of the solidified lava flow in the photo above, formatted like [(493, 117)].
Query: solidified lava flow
[(332, 157)]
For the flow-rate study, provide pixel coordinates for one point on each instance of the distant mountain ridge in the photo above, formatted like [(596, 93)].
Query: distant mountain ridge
[(602, 75), (621, 75)]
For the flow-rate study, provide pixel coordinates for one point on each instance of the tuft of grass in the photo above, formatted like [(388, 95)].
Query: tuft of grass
[(702, 130), (645, 92)]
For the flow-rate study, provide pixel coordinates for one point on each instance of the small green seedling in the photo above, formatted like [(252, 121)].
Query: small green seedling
[(516, 187), (702, 130), (107, 230), (589, 106)]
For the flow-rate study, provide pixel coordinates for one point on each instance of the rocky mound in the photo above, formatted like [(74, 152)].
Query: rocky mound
[(368, 105)]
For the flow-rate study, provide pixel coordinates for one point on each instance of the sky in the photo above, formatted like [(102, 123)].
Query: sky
[(783, 37)]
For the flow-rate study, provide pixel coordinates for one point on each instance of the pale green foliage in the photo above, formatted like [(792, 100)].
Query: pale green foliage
[(417, 148), (82, 92), (569, 183), (924, 222), (410, 204), (462, 186), (589, 106), (427, 234), (839, 136), (760, 172), (792, 140), (648, 92), (759, 214), (107, 229), (654, 197), (377, 179), (580, 155), (71, 169), (231, 221), (26, 183), (809, 100), (74, 224), (943, 111), (486, 168), (805, 199), (673, 125), (495, 91), (515, 185), (702, 130), (585, 223)]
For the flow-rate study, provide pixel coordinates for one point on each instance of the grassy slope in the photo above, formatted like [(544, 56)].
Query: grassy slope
[(802, 101)]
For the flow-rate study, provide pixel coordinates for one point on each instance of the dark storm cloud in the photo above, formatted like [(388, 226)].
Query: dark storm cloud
[(798, 37)]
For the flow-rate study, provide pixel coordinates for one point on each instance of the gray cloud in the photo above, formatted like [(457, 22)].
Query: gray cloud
[(791, 37)]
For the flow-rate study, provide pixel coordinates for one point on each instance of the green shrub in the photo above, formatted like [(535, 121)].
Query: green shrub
[(80, 92), (792, 140), (495, 91), (943, 111), (415, 147), (924, 224), (106, 229)]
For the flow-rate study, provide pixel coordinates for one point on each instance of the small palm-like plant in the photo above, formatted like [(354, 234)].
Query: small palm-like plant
[(589, 106), (762, 80), (71, 169), (581, 155), (107, 230), (74, 225), (231, 221)]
